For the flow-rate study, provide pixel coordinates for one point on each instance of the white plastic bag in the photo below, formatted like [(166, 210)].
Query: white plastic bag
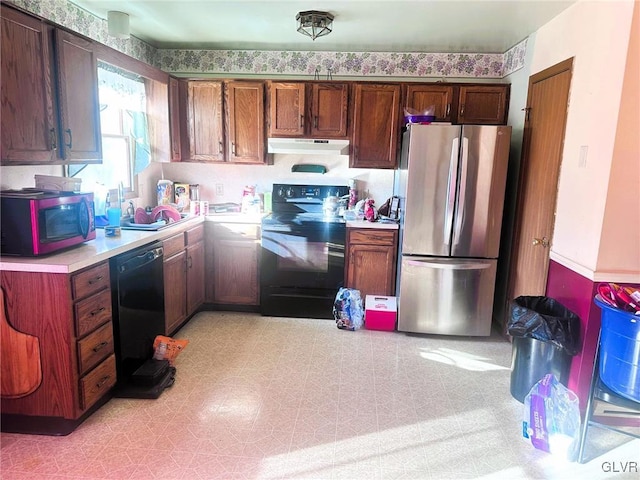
[(552, 418)]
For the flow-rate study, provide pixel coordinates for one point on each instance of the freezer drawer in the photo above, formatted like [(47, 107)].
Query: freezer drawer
[(446, 296)]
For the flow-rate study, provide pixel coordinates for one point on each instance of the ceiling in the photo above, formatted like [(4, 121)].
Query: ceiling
[(433, 26)]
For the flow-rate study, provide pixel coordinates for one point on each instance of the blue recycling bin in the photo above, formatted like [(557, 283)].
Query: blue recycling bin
[(620, 350)]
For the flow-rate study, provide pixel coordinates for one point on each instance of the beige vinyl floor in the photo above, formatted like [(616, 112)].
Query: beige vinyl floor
[(279, 398)]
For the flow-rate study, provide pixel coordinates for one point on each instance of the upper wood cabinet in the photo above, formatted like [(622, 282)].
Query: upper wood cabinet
[(245, 122), (287, 109), (204, 119), (316, 109), (329, 107), (422, 96), (78, 103), (50, 112), (483, 104), (375, 125), (460, 104), (225, 121), (175, 131)]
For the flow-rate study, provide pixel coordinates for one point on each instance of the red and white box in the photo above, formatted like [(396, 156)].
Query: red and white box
[(380, 312)]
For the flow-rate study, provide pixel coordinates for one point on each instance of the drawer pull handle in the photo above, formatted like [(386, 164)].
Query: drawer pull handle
[(100, 346), (97, 311), (95, 280), (52, 136), (70, 144), (103, 380)]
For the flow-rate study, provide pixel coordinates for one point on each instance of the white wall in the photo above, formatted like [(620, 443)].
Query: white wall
[(374, 183), (620, 239), (23, 175), (596, 34)]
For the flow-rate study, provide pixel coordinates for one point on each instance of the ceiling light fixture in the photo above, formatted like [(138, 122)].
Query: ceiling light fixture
[(118, 23), (314, 24)]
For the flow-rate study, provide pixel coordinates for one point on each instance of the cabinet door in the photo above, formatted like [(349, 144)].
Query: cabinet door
[(234, 269), (371, 269), (329, 109), (286, 109), (175, 290), (375, 126), (195, 276), (481, 104), (421, 97), (245, 121), (204, 117), (236, 272), (29, 133), (174, 119), (80, 136)]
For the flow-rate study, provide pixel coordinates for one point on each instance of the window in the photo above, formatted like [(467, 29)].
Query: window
[(125, 137)]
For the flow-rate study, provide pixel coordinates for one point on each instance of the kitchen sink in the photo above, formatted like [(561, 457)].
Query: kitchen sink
[(127, 224)]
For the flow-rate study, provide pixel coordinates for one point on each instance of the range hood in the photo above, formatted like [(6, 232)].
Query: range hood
[(308, 146)]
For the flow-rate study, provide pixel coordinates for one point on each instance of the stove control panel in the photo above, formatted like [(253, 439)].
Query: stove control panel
[(286, 193)]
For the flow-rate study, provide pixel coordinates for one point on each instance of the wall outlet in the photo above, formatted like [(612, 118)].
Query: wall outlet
[(219, 190)]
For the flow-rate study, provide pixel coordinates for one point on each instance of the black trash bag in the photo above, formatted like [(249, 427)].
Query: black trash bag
[(545, 319)]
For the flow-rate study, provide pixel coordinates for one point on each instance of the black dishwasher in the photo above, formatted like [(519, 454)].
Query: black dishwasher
[(138, 306)]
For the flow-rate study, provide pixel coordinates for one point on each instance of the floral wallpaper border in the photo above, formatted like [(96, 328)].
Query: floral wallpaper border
[(258, 62)]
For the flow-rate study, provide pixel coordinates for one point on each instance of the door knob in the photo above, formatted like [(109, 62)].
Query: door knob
[(544, 241)]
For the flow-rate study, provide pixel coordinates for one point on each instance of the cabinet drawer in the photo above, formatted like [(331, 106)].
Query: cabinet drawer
[(90, 281), (92, 312), (173, 245), (371, 236), (97, 382), (195, 235), (94, 348)]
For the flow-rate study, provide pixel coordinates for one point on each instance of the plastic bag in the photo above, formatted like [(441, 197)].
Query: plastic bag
[(552, 418), (347, 309), (429, 111), (545, 319)]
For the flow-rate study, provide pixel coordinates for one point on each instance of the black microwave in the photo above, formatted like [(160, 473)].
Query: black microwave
[(36, 222)]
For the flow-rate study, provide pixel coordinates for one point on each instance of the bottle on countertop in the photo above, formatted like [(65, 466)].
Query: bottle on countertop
[(165, 192), (353, 195), (248, 199)]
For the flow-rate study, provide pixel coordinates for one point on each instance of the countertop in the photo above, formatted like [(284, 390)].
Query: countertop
[(103, 248), (366, 224), (93, 251)]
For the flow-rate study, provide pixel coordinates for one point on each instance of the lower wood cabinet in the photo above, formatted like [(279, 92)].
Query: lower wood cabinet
[(175, 282), (70, 315), (232, 275), (371, 261), (183, 272), (195, 268)]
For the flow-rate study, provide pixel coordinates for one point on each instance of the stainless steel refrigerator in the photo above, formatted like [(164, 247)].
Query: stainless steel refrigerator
[(450, 184)]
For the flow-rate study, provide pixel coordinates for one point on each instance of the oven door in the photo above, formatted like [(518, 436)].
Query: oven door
[(302, 268)]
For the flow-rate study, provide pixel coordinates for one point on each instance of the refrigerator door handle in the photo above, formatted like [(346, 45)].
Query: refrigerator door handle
[(449, 265), (451, 191), (462, 191)]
